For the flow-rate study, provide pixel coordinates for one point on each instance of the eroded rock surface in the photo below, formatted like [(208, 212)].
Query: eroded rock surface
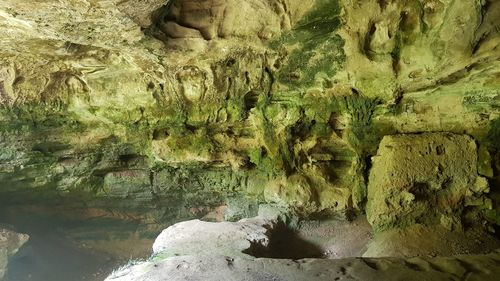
[(223, 238), (484, 267), (422, 241), (428, 178), (159, 111), (211, 19), (412, 46), (282, 102), (10, 242), (214, 255)]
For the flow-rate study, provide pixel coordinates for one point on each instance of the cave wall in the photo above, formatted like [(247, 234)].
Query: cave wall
[(161, 105)]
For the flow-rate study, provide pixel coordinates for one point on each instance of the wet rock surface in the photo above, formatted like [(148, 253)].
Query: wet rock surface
[(65, 247)]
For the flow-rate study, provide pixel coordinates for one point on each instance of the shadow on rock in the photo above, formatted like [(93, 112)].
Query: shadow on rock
[(286, 243)]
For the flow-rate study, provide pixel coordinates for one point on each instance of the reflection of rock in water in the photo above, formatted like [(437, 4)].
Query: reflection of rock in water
[(10, 242), (56, 253)]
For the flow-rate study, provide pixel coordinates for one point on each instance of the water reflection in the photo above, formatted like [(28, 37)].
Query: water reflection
[(62, 249)]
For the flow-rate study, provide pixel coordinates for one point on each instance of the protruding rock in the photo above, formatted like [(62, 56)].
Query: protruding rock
[(197, 237), (212, 19), (421, 178), (295, 192)]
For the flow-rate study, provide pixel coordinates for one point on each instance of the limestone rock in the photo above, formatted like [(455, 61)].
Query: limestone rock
[(407, 45), (419, 240), (265, 89), (212, 251), (220, 268), (208, 238), (141, 11), (10, 242), (126, 184), (295, 192), (420, 178), (212, 19)]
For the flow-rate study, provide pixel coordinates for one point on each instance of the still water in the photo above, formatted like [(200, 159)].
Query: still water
[(62, 249)]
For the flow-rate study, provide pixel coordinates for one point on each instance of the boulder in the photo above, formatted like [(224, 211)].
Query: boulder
[(223, 238), (425, 178)]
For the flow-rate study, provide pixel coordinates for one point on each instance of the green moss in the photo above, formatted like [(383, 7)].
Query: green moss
[(493, 216), (235, 109), (320, 109), (493, 138), (363, 138), (312, 47), (197, 186), (190, 141), (484, 162), (258, 156)]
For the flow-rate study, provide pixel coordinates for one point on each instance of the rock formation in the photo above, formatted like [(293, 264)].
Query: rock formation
[(94, 106), (217, 255), (212, 19), (157, 111), (426, 179)]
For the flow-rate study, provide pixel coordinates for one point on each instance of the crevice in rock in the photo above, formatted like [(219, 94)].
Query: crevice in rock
[(285, 243)]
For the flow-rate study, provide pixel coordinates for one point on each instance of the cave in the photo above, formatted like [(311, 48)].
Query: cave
[(290, 140)]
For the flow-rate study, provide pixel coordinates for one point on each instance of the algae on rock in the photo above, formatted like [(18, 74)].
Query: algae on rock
[(299, 96)]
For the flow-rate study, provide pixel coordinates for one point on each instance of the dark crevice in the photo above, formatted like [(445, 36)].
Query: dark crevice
[(382, 4), (366, 44), (285, 243), (160, 134), (371, 264), (250, 99), (420, 191)]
